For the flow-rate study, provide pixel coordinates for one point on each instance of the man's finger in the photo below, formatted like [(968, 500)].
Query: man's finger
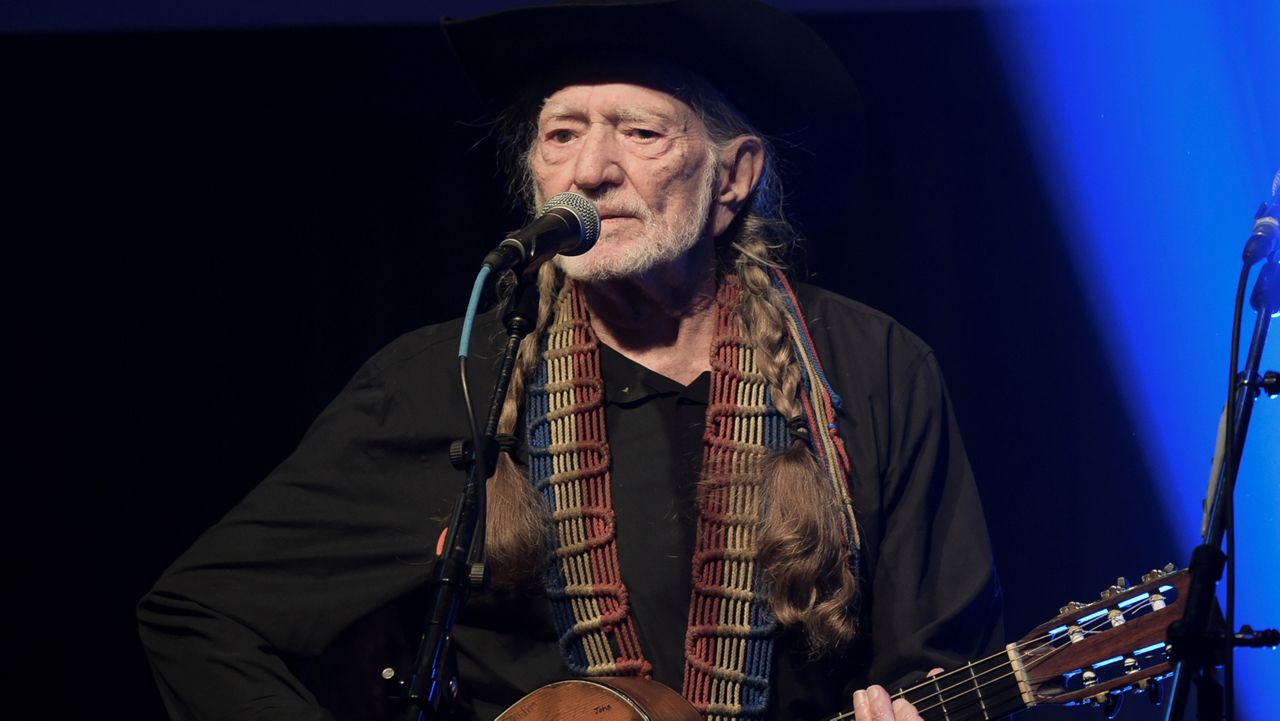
[(875, 705), (903, 711)]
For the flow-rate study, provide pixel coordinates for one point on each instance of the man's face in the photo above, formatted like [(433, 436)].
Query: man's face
[(643, 157)]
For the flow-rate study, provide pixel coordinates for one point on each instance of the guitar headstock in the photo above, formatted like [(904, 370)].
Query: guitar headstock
[(1091, 651)]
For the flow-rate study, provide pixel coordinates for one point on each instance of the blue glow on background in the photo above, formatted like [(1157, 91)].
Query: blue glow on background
[(1135, 599), (1108, 662), (1157, 130), (1096, 614), (1148, 649)]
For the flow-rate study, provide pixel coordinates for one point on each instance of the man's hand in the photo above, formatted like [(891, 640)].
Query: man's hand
[(874, 704)]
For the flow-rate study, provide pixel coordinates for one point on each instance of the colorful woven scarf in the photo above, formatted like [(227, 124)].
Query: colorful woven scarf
[(729, 640)]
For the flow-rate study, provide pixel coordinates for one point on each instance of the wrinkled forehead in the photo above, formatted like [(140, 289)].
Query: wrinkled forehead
[(619, 101)]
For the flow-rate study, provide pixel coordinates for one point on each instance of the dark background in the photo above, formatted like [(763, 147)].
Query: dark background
[(211, 229)]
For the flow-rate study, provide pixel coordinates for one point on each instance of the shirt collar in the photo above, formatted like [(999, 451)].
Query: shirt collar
[(627, 382)]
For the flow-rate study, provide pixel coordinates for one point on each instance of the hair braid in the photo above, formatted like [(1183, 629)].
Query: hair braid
[(516, 520), (802, 546)]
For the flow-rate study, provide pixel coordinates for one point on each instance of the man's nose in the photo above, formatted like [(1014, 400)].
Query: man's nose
[(597, 163)]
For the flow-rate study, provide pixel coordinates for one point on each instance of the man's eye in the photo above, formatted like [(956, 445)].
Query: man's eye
[(644, 134), (560, 136)]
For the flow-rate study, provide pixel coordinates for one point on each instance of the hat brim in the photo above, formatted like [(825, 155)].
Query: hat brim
[(770, 65)]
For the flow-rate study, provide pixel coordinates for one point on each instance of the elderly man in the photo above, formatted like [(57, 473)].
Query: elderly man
[(752, 492)]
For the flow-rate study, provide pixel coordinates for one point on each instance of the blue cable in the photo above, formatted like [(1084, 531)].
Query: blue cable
[(464, 343)]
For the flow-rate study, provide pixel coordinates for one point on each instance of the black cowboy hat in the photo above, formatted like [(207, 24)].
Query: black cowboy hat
[(772, 67)]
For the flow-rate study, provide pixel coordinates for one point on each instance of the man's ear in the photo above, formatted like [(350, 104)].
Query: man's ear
[(740, 166)]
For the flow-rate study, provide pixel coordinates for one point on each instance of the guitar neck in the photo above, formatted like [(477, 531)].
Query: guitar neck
[(982, 690), (979, 691)]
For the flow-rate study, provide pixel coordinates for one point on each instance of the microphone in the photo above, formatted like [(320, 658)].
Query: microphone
[(1262, 239), (567, 224)]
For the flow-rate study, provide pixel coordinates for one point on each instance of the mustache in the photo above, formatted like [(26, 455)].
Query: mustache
[(609, 203), (615, 203)]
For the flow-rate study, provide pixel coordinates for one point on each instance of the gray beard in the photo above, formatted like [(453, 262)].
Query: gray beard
[(657, 245)]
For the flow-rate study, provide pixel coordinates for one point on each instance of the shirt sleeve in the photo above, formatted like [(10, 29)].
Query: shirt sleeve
[(345, 525), (935, 595)]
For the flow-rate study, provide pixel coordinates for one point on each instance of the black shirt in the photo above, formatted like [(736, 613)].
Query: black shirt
[(655, 428), (347, 525)]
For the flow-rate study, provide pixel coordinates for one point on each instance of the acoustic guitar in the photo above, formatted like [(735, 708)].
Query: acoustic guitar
[(1087, 654)]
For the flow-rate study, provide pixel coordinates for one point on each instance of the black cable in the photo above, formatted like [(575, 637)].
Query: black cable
[(1228, 492), (466, 400), (1228, 663)]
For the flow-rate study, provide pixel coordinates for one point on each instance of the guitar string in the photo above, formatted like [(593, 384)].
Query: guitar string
[(1093, 629), (1099, 625), (1039, 642), (943, 692)]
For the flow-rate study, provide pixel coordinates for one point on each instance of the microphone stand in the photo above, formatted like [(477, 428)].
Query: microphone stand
[(1194, 644), (461, 566)]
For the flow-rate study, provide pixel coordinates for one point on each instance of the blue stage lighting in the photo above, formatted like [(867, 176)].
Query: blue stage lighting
[(1157, 129)]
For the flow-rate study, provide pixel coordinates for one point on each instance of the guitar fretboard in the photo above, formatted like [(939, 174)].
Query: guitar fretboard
[(982, 690)]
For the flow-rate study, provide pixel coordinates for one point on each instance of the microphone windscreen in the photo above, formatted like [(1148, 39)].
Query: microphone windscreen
[(584, 210)]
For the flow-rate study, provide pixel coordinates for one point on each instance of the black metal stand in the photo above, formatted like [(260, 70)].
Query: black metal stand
[(461, 564), (1195, 644)]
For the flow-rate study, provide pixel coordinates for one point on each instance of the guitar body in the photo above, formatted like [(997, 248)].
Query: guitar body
[(602, 699), (1089, 653)]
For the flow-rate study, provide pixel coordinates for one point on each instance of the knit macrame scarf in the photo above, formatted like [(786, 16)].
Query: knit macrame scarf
[(729, 640)]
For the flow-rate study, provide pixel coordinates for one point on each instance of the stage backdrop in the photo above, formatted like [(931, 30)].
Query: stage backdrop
[(215, 227)]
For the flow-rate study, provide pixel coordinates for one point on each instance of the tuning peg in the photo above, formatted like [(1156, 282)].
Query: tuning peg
[(1156, 600), (1158, 573), (1071, 607), (1075, 633), (1110, 704), (1120, 586)]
